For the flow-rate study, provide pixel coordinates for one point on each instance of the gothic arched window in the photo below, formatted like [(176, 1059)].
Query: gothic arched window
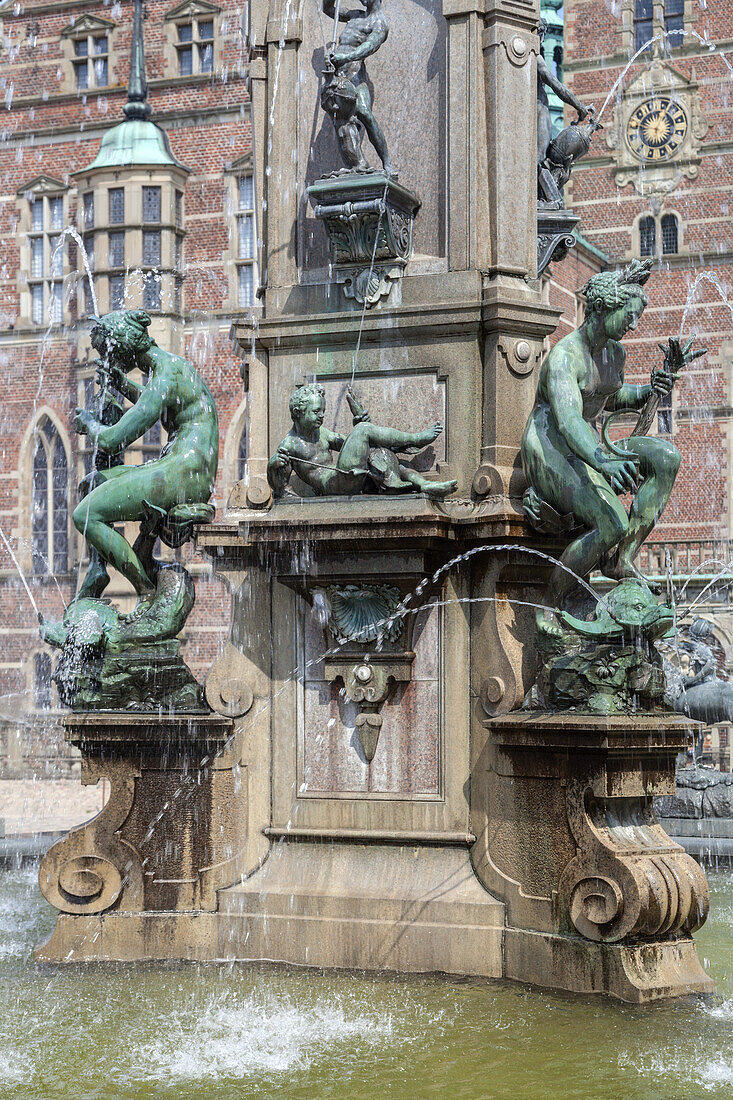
[(50, 504)]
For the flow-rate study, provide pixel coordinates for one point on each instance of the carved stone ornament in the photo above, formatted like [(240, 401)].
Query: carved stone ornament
[(359, 619), (369, 220), (628, 880), (362, 613), (657, 130), (554, 236)]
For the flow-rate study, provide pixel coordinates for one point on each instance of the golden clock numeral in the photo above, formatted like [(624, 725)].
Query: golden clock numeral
[(680, 130)]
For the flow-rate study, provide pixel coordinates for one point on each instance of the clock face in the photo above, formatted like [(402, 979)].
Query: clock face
[(656, 129)]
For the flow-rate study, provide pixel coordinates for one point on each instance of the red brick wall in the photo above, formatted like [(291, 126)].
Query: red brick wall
[(699, 506)]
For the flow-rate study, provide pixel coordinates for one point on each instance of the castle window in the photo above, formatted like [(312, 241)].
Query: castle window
[(42, 694), (89, 210), (46, 258), (151, 247), (643, 23), (116, 291), (195, 47), (674, 21), (116, 198), (91, 62), (647, 235), (116, 249), (50, 508), (664, 415), (669, 234), (151, 291), (151, 204), (245, 241)]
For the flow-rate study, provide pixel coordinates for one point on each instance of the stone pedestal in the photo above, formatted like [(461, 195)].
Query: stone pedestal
[(165, 836), (369, 220), (597, 896)]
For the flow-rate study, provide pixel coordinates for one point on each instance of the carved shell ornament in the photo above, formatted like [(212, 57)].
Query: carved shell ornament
[(361, 612)]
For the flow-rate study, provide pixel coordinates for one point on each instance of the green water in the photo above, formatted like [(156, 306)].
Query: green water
[(220, 1033)]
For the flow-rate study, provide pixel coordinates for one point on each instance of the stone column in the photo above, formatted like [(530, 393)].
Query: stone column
[(515, 319), (468, 149), (283, 36)]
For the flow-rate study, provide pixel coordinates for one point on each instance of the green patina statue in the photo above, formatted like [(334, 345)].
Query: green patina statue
[(576, 475), (346, 94), (609, 664), (111, 661), (575, 478), (366, 457)]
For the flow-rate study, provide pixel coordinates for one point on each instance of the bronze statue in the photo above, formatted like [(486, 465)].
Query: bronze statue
[(111, 661), (175, 395), (575, 477), (555, 158), (366, 457), (346, 96)]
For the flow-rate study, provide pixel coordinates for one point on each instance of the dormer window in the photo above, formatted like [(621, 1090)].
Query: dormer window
[(192, 49), (87, 47)]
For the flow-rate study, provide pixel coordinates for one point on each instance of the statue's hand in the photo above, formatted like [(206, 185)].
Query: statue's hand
[(83, 422), (112, 375), (622, 474), (676, 357), (280, 460)]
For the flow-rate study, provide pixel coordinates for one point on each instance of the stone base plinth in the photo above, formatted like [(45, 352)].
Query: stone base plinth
[(405, 908), (165, 834), (599, 899)]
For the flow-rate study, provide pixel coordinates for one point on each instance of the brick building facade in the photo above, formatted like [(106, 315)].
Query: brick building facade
[(186, 257), (189, 260)]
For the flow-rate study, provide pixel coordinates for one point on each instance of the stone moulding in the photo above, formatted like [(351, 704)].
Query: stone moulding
[(358, 618), (369, 219)]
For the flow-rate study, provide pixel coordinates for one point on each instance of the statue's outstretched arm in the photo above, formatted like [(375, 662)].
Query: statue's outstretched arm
[(566, 402), (546, 75), (630, 397), (329, 9)]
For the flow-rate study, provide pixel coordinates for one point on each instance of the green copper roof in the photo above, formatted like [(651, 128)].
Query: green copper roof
[(137, 140), (134, 141)]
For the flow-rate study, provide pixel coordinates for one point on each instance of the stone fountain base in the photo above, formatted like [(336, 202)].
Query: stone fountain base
[(567, 880)]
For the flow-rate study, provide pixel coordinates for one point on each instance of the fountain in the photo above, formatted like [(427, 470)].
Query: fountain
[(394, 764)]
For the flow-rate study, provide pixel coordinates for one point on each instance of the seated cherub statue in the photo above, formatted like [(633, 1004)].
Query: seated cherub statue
[(366, 456)]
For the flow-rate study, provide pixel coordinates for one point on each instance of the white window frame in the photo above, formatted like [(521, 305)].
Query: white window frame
[(242, 262), (47, 283)]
